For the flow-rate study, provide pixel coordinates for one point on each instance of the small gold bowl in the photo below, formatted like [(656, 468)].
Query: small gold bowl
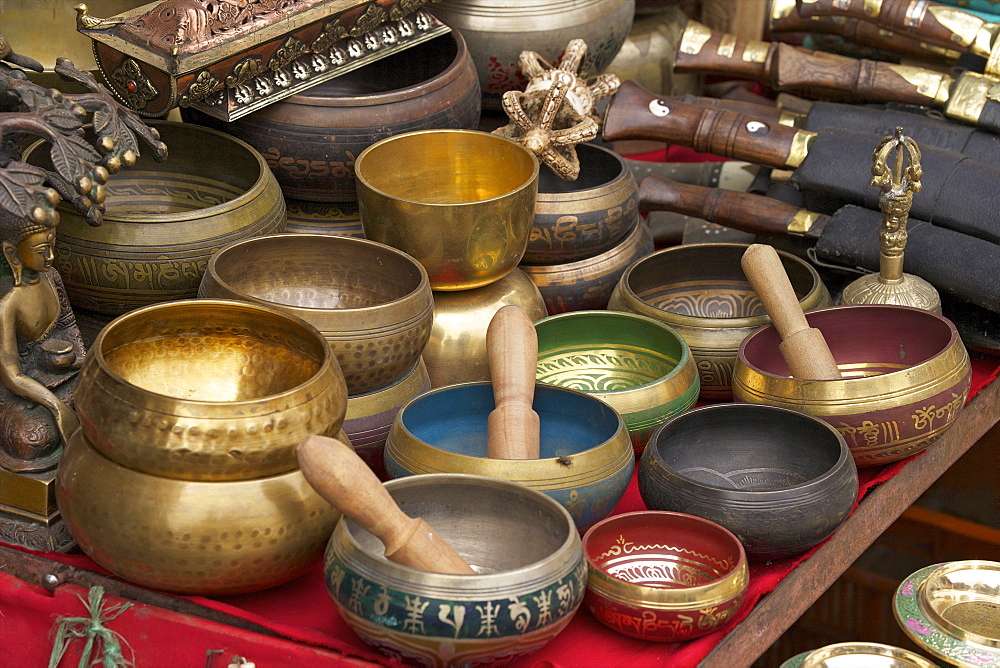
[(858, 655), (206, 389), (372, 302), (461, 202)]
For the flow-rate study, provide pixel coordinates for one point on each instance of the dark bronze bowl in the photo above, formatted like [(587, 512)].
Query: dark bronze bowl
[(781, 480)]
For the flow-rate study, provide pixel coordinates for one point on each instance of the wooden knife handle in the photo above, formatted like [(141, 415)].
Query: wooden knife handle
[(636, 113), (841, 78), (762, 111), (706, 51)]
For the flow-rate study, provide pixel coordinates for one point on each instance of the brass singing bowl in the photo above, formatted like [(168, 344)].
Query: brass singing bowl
[(639, 366), (858, 655), (585, 461), (906, 375), (530, 578), (459, 201), (663, 576), (456, 351), (208, 389), (164, 220), (371, 302), (339, 219), (198, 538), (701, 291), (579, 219)]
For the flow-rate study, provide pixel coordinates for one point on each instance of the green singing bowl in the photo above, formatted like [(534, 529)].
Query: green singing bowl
[(462, 202), (372, 302), (701, 291), (208, 389), (639, 366)]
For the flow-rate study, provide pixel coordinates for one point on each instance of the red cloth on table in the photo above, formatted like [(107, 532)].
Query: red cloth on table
[(314, 635)]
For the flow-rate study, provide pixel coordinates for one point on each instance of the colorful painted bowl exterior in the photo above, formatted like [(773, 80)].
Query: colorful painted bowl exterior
[(338, 219), (663, 576), (578, 219), (526, 549), (906, 375), (639, 366), (701, 291), (588, 284), (586, 457), (780, 480)]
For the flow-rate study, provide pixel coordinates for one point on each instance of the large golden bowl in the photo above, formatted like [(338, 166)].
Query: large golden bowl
[(456, 351), (207, 389), (372, 302), (461, 202), (701, 291), (905, 371), (164, 220), (205, 538)]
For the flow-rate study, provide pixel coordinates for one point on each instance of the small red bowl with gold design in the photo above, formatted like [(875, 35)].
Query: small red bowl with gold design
[(663, 576)]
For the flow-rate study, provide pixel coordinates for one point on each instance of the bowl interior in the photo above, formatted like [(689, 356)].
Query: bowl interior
[(963, 598), (605, 351), (662, 550), (864, 340), (446, 167), (210, 352), (318, 272), (496, 525), (747, 447), (707, 281), (454, 419), (597, 167)]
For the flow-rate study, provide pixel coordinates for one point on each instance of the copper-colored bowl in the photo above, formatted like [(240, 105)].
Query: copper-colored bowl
[(701, 291), (372, 302), (459, 201), (204, 538), (906, 375), (206, 389), (663, 576)]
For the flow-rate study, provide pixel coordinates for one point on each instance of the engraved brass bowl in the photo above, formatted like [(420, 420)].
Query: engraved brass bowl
[(530, 582), (372, 302), (204, 538), (585, 462), (780, 480), (164, 220), (663, 576), (952, 611), (589, 283), (906, 375), (207, 389), (578, 219), (456, 351), (338, 219), (459, 201), (701, 291), (858, 655), (639, 366)]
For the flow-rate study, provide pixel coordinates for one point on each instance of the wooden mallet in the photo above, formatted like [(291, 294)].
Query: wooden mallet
[(513, 430)]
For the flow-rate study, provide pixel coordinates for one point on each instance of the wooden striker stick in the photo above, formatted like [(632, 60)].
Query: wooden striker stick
[(513, 430)]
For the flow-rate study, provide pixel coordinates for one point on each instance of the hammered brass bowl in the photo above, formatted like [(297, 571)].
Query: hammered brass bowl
[(578, 219), (906, 375), (207, 389), (639, 366), (589, 283), (586, 458), (459, 201), (456, 351), (164, 220), (530, 580), (372, 302), (701, 291), (780, 480), (663, 576), (198, 538)]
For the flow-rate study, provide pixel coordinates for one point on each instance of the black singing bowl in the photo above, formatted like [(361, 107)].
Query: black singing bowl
[(781, 480)]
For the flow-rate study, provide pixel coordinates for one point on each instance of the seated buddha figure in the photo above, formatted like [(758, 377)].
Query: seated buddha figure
[(40, 349)]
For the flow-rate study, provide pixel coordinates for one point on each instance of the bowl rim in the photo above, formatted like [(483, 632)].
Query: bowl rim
[(530, 183), (697, 322), (555, 274), (844, 458), (623, 174), (423, 284), (326, 365)]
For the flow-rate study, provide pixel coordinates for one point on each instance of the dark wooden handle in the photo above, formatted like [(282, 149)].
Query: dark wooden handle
[(770, 112), (705, 51), (636, 113)]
